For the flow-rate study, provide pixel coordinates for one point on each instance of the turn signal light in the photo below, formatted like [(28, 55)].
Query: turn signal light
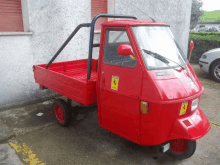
[(144, 107)]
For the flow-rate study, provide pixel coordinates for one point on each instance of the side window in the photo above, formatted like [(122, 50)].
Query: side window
[(113, 38)]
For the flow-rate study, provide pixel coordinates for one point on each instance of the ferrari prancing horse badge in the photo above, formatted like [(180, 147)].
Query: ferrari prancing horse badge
[(115, 81)]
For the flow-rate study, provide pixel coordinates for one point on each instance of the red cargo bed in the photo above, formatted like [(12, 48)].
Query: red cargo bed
[(69, 79)]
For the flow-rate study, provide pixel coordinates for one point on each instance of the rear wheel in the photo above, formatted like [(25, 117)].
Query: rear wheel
[(62, 112), (182, 148), (215, 71)]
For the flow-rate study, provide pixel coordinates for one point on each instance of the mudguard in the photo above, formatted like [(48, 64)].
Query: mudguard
[(191, 127)]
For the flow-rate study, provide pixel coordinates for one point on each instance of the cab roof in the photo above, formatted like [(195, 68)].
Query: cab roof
[(132, 23)]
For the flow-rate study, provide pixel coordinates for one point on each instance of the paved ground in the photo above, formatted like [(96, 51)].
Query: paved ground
[(39, 139), (8, 155)]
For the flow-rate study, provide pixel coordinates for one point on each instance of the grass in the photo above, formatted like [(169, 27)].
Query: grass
[(213, 16)]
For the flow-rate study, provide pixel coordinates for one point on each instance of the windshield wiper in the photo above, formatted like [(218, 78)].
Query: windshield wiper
[(161, 58)]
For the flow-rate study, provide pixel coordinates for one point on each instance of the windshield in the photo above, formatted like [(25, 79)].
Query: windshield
[(158, 39)]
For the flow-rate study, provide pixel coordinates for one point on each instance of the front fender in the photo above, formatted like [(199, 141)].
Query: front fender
[(191, 127)]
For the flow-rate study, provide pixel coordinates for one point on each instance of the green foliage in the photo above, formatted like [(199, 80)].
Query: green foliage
[(205, 33), (203, 41), (213, 16), (205, 37)]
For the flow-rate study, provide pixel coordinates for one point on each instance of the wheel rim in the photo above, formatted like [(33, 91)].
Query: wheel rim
[(217, 72), (178, 145), (59, 113)]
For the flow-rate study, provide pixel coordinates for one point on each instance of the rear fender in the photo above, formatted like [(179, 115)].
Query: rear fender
[(191, 127)]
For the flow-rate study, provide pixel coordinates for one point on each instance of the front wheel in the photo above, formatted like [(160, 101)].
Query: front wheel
[(182, 148), (215, 71)]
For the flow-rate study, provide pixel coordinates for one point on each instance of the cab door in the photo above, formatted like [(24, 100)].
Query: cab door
[(120, 87)]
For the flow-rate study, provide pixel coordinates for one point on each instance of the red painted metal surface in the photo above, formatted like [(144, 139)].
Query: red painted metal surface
[(11, 15), (192, 126), (191, 48), (131, 23), (176, 85), (97, 7), (119, 108), (69, 79), (125, 50), (59, 113)]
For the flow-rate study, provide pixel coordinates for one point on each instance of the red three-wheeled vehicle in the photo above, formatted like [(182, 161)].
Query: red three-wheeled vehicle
[(144, 87)]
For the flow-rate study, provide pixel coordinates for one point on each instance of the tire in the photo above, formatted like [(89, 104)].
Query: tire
[(215, 71), (181, 148), (62, 112)]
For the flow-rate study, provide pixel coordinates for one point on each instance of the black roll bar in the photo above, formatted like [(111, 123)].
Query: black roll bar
[(91, 45), (92, 36), (67, 41)]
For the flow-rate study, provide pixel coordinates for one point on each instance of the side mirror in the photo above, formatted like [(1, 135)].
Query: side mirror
[(125, 50), (191, 45), (191, 48)]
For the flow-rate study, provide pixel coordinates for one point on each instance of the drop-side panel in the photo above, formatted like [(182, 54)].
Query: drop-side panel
[(69, 79)]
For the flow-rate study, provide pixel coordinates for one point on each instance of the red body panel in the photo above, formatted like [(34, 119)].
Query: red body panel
[(119, 109), (125, 23), (191, 127), (178, 84), (69, 79), (162, 122)]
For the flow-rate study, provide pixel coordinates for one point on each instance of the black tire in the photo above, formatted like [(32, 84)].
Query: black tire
[(191, 147), (214, 73), (62, 112)]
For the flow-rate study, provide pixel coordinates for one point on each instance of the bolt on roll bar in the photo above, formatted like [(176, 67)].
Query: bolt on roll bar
[(91, 45)]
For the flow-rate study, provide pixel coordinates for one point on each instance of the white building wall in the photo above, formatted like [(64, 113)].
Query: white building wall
[(52, 22), (175, 13)]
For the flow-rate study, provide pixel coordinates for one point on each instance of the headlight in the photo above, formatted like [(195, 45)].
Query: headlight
[(204, 56), (195, 104)]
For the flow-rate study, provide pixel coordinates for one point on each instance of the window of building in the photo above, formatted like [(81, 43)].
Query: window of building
[(101, 7), (13, 16)]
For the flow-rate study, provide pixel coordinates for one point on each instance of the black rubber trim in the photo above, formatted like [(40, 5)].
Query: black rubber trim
[(203, 62)]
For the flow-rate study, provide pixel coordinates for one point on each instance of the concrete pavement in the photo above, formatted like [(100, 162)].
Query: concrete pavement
[(8, 155), (5, 131), (40, 139)]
